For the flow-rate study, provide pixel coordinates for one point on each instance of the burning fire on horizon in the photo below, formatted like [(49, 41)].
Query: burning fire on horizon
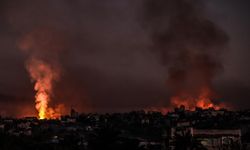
[(188, 43), (43, 75), (42, 47), (203, 100)]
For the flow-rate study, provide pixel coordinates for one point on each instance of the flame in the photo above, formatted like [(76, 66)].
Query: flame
[(42, 46), (203, 100), (44, 75)]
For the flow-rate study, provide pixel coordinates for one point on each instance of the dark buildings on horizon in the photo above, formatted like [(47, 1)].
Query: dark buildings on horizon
[(178, 130)]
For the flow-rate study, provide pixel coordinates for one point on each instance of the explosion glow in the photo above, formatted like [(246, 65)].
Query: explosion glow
[(42, 46), (203, 100), (43, 75)]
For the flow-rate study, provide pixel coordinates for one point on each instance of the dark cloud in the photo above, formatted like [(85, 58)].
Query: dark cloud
[(189, 44), (108, 63)]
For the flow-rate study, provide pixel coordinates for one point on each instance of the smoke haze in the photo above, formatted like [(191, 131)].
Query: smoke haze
[(124, 55), (189, 44)]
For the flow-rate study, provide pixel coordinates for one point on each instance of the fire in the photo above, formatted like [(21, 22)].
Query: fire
[(203, 100), (42, 104), (42, 46), (43, 74)]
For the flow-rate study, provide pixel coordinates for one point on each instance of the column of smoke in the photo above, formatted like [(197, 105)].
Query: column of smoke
[(42, 46), (189, 45)]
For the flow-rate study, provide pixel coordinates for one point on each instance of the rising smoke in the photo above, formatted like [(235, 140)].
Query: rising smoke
[(109, 64), (189, 45), (43, 45)]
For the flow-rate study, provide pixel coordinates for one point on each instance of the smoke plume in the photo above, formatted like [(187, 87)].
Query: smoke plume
[(42, 47), (124, 55), (189, 45)]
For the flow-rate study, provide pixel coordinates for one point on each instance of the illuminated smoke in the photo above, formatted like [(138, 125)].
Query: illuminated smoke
[(189, 45), (42, 47), (43, 75)]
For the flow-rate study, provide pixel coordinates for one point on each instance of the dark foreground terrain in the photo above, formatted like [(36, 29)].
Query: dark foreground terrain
[(138, 130)]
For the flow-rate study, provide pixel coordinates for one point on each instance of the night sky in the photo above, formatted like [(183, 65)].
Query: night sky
[(107, 52)]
